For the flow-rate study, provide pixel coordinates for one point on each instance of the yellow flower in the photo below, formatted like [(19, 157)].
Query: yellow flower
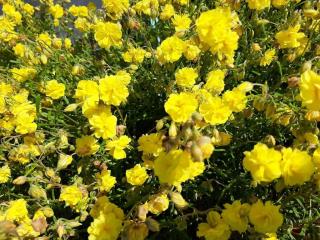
[(258, 4), (215, 81), (170, 50), (113, 91), (17, 211), (116, 8), (44, 40), (87, 93), (215, 228), (263, 163), (215, 111), (25, 230), (148, 7), (279, 3), (214, 28), (310, 90), (108, 34), (56, 11), (23, 74), (5, 174), (290, 38), (268, 57), (236, 215), (137, 175), (104, 124), (297, 166), (236, 100), (67, 43), (134, 55), (24, 152), (19, 50), (82, 24), (158, 203), (105, 180), (10, 12), (181, 22), (186, 77), (54, 89), (86, 146), (191, 51), (150, 144), (72, 195), (181, 106), (28, 9), (176, 167), (266, 217), (107, 222), (167, 12), (116, 147), (79, 11)]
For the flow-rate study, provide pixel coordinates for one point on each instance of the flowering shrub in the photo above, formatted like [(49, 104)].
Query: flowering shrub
[(160, 119)]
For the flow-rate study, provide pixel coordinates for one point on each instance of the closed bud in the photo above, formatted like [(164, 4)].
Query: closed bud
[(64, 161), (187, 133), (270, 110), (37, 192), (259, 104), (293, 82), (61, 230), (173, 130), (40, 225), (43, 59), (153, 225), (306, 66), (47, 211), (196, 153), (71, 107), (197, 116), (256, 47), (121, 129), (159, 125), (50, 172), (137, 231), (20, 180), (270, 140), (178, 200), (142, 212)]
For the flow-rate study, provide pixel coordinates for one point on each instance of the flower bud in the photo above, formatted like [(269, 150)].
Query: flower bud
[(153, 225), (137, 231), (20, 180), (37, 192), (159, 125), (64, 161), (196, 153), (270, 140), (306, 66), (71, 107), (178, 200), (173, 130), (142, 212), (43, 59), (48, 212), (256, 47), (293, 82)]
